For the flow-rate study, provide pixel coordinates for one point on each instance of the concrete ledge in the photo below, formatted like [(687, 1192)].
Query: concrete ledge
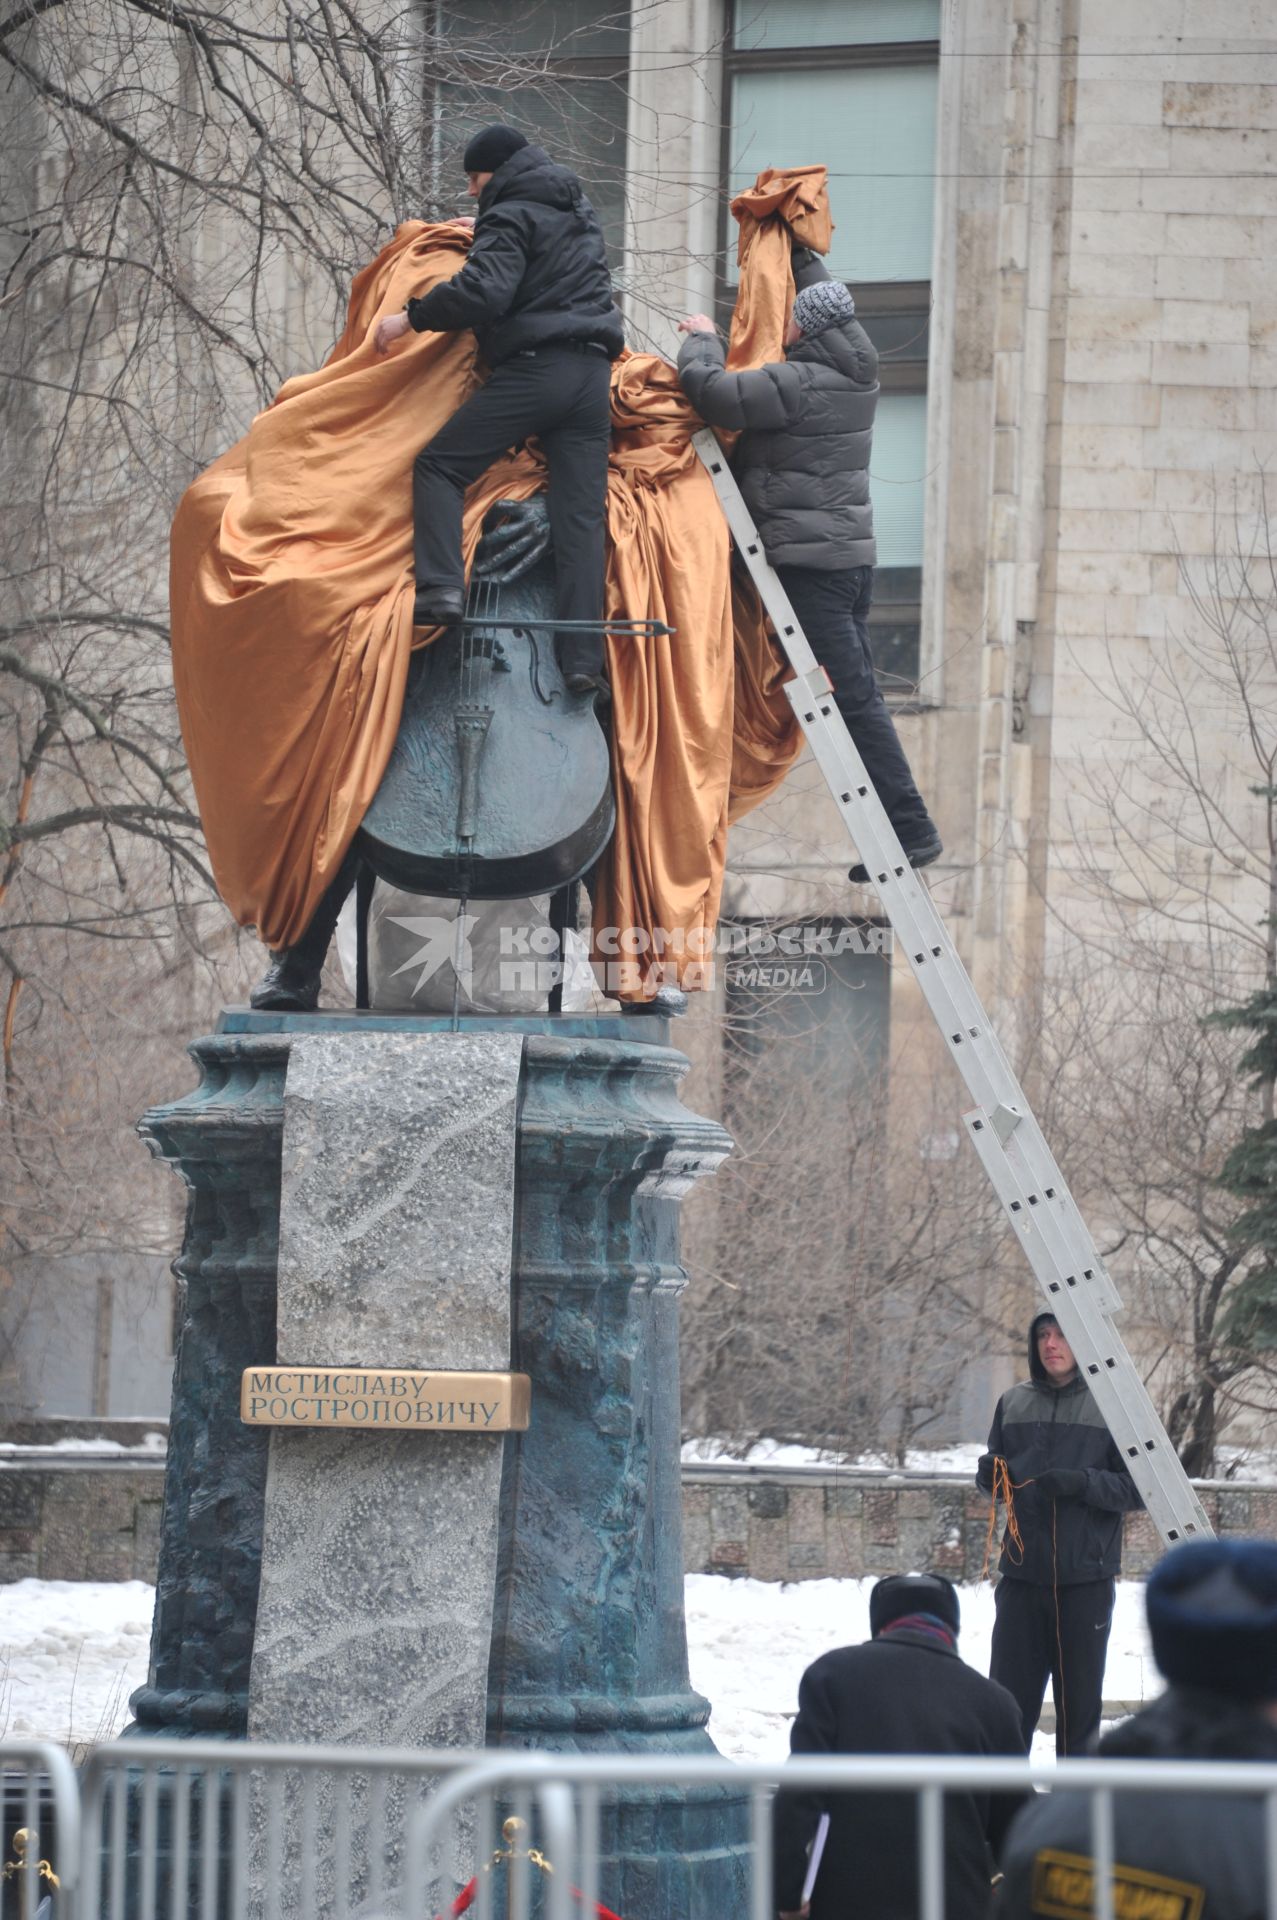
[(94, 1515)]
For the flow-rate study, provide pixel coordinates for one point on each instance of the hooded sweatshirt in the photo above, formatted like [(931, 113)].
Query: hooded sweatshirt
[(537, 273), (1036, 1426)]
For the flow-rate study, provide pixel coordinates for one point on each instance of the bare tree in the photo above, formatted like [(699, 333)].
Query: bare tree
[(853, 1250), (1176, 840), (185, 193)]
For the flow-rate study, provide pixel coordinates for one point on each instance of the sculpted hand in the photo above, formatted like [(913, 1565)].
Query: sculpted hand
[(515, 535), (391, 327), (1063, 1483), (697, 323)]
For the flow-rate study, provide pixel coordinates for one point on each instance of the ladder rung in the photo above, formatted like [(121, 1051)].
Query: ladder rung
[(1011, 1146)]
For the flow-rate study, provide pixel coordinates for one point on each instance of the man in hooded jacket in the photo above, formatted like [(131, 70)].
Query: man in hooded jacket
[(537, 292), (802, 464), (1057, 1581), (904, 1691), (1212, 1619)]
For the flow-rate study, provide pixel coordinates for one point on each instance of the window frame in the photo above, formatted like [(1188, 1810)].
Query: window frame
[(911, 299)]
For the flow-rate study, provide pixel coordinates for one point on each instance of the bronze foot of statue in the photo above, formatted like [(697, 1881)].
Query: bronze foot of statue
[(290, 983), (666, 1000)]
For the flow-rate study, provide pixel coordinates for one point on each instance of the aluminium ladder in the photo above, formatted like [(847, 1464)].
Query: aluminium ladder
[(1003, 1131)]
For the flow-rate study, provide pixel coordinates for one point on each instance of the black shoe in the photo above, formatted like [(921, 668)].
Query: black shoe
[(581, 683), (437, 606), (920, 854), (666, 1000), (290, 984)]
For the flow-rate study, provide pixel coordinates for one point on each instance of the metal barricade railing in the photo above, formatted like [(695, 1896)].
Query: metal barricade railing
[(38, 1781), (573, 1817), (233, 1830), (222, 1830)]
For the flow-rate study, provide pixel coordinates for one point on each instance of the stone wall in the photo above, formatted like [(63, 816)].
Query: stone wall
[(98, 1519), (78, 1521), (827, 1524)]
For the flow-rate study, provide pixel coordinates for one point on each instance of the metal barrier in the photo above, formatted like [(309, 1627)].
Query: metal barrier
[(219, 1830), (39, 1776), (576, 1822)]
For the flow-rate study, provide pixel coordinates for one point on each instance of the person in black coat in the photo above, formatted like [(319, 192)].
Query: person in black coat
[(802, 464), (537, 292), (1212, 1617), (1057, 1583), (904, 1691)]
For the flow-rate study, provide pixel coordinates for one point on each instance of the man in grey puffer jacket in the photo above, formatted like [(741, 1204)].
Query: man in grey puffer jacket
[(802, 464)]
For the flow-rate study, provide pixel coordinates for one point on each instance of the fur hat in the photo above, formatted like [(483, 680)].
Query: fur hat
[(1212, 1617), (825, 304), (903, 1593), (492, 147)]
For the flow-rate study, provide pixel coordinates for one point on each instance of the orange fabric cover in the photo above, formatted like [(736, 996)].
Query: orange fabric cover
[(291, 588)]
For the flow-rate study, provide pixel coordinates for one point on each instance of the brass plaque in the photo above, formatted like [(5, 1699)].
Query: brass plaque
[(385, 1399)]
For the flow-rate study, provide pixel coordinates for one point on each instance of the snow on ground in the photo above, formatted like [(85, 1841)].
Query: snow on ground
[(749, 1640), (71, 1653), (1249, 1465), (778, 1453)]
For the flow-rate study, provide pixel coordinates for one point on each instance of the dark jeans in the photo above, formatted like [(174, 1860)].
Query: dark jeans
[(561, 395), (833, 611), (1060, 1634)]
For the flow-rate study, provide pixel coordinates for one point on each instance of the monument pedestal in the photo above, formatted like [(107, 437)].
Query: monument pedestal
[(588, 1645)]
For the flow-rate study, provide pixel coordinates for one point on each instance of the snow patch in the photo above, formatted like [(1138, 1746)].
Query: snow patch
[(71, 1653)]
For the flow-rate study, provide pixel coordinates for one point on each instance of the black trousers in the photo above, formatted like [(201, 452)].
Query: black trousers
[(1060, 1634), (562, 395), (833, 611)]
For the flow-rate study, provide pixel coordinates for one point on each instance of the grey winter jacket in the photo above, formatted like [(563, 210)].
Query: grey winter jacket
[(802, 462), (1182, 1856)]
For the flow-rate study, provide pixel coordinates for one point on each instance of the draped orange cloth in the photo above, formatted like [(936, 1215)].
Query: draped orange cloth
[(291, 588)]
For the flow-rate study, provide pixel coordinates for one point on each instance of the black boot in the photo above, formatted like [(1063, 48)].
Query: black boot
[(290, 983), (919, 853)]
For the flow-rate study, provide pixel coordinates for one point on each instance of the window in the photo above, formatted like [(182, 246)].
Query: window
[(854, 83), (566, 68)]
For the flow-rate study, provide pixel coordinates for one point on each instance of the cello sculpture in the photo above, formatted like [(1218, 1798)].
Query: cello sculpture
[(499, 784)]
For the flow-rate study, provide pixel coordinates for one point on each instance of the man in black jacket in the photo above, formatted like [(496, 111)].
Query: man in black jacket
[(802, 465), (1212, 1618), (904, 1691), (1057, 1583), (537, 291)]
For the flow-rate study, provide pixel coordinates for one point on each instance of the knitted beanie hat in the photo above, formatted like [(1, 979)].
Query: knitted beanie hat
[(904, 1593), (1212, 1617), (492, 147), (826, 304)]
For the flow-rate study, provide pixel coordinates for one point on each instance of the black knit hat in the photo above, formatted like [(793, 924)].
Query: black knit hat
[(904, 1593), (1212, 1617), (492, 147)]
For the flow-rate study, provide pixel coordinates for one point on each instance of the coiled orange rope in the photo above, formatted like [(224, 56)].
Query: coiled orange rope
[(1004, 1489)]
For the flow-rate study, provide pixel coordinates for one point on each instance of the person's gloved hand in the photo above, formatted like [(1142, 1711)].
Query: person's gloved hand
[(984, 1471), (1062, 1483)]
